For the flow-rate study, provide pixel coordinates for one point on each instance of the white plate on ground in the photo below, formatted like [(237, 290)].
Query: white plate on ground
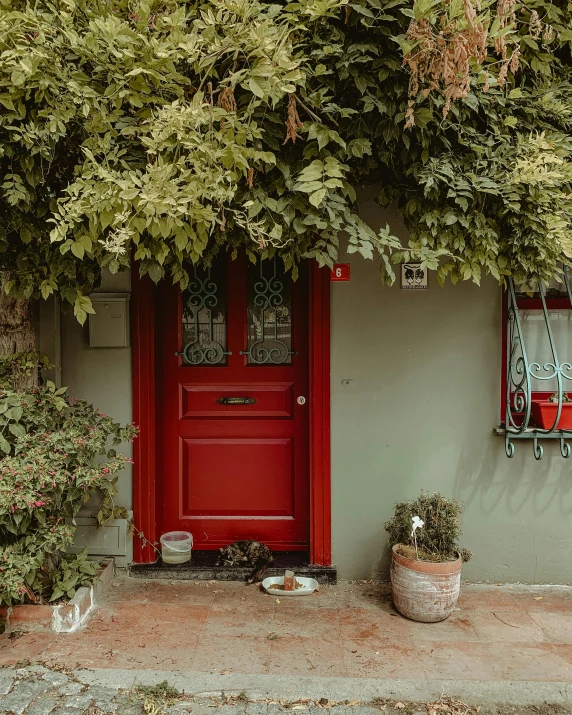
[(309, 586)]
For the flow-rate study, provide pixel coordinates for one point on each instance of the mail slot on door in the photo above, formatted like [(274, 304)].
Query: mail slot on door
[(231, 401)]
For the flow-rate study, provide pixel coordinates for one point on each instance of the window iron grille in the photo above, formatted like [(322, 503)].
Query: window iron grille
[(525, 378)]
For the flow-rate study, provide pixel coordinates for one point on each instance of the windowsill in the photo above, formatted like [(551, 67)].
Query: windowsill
[(532, 432)]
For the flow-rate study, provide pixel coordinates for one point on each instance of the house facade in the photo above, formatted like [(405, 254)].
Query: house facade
[(299, 413)]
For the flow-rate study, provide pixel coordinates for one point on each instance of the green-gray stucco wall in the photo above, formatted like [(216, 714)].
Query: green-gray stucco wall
[(424, 396), (419, 413), (101, 376)]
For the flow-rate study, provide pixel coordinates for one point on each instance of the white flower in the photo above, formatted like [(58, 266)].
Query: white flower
[(417, 524)]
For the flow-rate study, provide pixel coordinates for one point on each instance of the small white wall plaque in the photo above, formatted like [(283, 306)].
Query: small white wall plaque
[(413, 276)]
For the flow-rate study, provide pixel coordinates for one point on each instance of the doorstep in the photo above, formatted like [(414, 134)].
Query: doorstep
[(202, 567), (65, 617)]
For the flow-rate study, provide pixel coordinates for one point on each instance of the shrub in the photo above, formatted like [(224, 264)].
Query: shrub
[(437, 539), (57, 453)]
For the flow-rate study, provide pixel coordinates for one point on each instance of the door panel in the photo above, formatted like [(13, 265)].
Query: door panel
[(269, 400), (235, 459), (261, 467)]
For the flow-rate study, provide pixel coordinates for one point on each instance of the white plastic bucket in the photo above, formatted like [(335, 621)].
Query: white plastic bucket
[(176, 547)]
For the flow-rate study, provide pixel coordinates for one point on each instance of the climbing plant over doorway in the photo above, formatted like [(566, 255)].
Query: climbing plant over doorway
[(171, 130)]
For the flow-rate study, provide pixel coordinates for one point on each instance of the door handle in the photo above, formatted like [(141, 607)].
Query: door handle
[(236, 400)]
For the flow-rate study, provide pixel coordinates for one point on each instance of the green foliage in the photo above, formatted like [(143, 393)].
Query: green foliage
[(437, 538), (158, 128), (17, 365), (57, 453)]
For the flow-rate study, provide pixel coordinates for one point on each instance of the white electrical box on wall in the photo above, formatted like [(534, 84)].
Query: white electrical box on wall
[(109, 325)]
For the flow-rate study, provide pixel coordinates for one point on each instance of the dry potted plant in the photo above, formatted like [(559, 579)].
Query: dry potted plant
[(426, 559)]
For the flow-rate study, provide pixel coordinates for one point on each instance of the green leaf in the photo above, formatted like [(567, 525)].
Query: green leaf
[(362, 10), (255, 88), (77, 249), (16, 429), (318, 196)]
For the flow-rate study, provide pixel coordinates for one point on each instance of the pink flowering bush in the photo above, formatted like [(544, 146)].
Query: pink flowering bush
[(55, 454)]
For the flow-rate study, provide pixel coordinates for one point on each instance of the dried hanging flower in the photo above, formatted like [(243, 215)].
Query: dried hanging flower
[(250, 177), (442, 59), (409, 114), (226, 99), (535, 25), (506, 16), (548, 35), (515, 60), (444, 54), (293, 122)]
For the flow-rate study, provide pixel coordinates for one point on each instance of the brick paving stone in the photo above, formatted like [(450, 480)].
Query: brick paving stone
[(103, 698), (131, 709), (81, 702), (67, 711), (72, 689), (108, 707), (55, 678), (6, 681), (43, 705), (31, 670), (22, 695)]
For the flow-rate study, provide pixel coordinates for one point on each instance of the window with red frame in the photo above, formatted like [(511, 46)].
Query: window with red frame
[(540, 358)]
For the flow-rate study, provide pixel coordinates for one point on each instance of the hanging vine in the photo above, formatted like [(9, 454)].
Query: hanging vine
[(171, 130)]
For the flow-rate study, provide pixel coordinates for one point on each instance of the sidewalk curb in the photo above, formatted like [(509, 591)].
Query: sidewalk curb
[(292, 687)]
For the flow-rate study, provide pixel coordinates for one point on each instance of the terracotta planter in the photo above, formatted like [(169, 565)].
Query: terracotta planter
[(422, 590), (544, 413)]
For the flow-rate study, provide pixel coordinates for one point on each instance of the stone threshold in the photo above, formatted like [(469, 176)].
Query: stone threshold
[(193, 572), (64, 617)]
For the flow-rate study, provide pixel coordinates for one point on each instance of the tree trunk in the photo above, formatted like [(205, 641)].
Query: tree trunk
[(16, 337)]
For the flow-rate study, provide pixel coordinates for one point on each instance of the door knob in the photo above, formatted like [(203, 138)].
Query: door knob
[(301, 400)]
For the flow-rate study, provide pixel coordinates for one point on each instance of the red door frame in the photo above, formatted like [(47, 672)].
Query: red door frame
[(144, 416)]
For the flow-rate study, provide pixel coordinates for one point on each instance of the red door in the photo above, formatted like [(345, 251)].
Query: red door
[(235, 406)]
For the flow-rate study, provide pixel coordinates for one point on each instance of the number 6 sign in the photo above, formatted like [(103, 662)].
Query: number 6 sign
[(340, 272)]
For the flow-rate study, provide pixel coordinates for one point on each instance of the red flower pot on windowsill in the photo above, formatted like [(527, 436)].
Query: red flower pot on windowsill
[(544, 413)]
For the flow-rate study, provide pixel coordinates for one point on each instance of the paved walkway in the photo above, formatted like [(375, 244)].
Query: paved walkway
[(350, 630), (345, 643)]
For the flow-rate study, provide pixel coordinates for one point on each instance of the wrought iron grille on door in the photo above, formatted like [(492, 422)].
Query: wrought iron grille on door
[(204, 318), (268, 316)]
